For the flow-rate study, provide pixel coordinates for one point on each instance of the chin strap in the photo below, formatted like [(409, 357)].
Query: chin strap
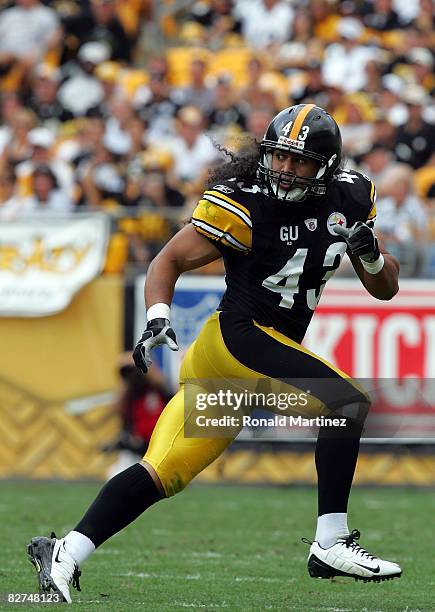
[(296, 195)]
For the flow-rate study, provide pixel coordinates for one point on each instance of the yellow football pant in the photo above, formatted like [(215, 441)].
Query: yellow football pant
[(176, 459)]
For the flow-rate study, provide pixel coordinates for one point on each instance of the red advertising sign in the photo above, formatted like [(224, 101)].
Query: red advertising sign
[(370, 338), (379, 340)]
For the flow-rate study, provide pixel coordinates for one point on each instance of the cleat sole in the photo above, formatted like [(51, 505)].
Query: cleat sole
[(34, 553), (319, 569)]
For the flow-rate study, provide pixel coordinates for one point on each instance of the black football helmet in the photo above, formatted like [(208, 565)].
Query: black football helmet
[(308, 131)]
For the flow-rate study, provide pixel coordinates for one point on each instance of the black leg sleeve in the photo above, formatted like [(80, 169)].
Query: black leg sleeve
[(336, 456), (122, 499)]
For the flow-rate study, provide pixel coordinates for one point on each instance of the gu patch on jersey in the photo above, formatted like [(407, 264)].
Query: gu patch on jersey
[(334, 219), (311, 224)]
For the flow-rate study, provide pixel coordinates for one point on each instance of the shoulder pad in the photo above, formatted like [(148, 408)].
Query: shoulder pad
[(221, 217), (359, 191)]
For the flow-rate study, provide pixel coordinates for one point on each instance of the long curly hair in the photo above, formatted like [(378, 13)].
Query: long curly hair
[(241, 165)]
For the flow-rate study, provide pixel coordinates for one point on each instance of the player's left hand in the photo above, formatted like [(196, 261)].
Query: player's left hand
[(361, 240)]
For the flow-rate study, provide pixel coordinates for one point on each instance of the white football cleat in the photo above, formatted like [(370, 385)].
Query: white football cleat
[(347, 558), (55, 567)]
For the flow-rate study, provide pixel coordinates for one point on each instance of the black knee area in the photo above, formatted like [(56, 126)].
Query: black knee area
[(122, 499), (356, 413), (350, 422), (348, 429)]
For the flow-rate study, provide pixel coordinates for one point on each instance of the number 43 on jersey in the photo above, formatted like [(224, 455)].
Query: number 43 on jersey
[(293, 270)]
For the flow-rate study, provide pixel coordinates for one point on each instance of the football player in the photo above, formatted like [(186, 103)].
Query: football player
[(282, 218)]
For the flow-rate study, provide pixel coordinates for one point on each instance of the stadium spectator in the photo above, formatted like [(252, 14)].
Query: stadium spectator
[(16, 146), (10, 105), (10, 203), (258, 120), (303, 27), (28, 31), (117, 136), (46, 195), (425, 183), (158, 65), (335, 97), (422, 64), (402, 218), (101, 180), (374, 70), (136, 128), (302, 49), (218, 19), (407, 10), (197, 92), (415, 138), (388, 101), (376, 162), (381, 15), (325, 18), (158, 192), (82, 92), (98, 22), (312, 87), (424, 21), (156, 106), (254, 94), (384, 132), (191, 149), (139, 403), (265, 22), (41, 142), (87, 140), (345, 61), (108, 73), (355, 116), (147, 183), (227, 114), (43, 99)]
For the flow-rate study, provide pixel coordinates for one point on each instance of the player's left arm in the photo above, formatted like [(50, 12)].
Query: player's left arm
[(377, 269), (384, 284)]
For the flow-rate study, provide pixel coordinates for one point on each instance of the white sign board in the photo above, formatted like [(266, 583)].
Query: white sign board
[(46, 260)]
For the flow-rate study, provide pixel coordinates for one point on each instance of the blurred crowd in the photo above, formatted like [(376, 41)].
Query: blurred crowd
[(118, 105)]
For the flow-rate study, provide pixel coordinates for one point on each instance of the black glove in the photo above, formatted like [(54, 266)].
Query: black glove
[(158, 331), (361, 240)]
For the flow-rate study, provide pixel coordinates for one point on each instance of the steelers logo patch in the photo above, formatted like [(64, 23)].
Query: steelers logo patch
[(334, 219)]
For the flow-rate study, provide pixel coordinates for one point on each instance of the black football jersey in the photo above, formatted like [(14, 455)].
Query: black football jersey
[(278, 256)]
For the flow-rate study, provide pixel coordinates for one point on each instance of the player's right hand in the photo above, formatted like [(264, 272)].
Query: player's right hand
[(158, 331)]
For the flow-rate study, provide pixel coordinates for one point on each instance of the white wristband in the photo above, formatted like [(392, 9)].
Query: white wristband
[(373, 267), (158, 311)]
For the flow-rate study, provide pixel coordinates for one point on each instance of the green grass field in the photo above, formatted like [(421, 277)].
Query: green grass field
[(234, 548)]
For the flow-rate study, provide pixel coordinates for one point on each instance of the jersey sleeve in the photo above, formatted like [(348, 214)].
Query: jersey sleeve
[(371, 218), (358, 194), (224, 221)]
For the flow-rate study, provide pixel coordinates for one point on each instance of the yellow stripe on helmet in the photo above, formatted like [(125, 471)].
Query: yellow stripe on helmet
[(300, 118)]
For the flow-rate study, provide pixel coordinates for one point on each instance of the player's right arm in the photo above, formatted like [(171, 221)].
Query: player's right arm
[(187, 250), (220, 224)]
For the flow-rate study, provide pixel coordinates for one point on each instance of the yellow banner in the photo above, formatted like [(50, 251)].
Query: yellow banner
[(55, 377)]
